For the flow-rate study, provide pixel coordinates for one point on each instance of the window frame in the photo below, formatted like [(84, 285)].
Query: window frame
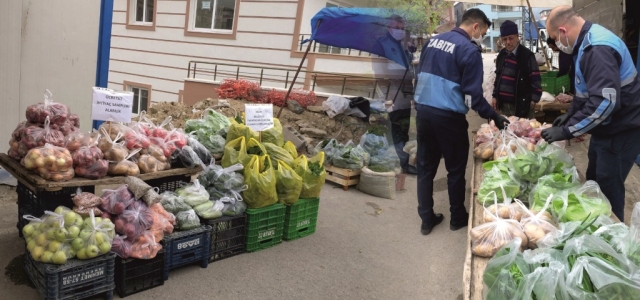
[(129, 86), (190, 30), (131, 16)]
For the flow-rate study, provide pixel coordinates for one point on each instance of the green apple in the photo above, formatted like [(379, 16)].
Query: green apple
[(77, 244), (92, 251), (28, 230), (105, 247), (74, 231), (51, 234), (85, 233), (46, 257), (61, 234), (59, 258), (79, 221), (31, 244), (69, 219), (82, 254), (37, 252), (42, 240), (60, 210), (36, 233), (53, 246), (70, 252), (99, 238)]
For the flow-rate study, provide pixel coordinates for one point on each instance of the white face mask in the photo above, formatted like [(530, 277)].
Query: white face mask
[(478, 40), (397, 34), (566, 49)]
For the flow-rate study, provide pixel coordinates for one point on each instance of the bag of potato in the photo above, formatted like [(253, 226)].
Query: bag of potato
[(488, 238), (536, 225), (112, 149), (79, 139), (124, 167), (50, 162), (484, 150), (504, 209)]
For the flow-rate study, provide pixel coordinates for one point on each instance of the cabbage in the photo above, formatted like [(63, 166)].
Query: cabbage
[(494, 181)]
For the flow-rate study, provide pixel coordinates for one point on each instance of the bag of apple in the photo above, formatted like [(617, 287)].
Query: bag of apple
[(95, 237), (51, 239), (116, 201)]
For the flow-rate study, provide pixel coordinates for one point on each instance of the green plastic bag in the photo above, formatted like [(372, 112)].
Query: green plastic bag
[(291, 148), (274, 134), (254, 148), (313, 174), (278, 153), (288, 184), (237, 130), (235, 152), (261, 183)]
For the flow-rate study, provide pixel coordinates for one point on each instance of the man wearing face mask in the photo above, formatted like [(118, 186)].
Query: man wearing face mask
[(517, 87), (606, 103), (400, 111), (449, 83)]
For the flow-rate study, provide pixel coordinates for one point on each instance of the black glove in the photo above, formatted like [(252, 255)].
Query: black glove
[(501, 122), (553, 134), (561, 120)]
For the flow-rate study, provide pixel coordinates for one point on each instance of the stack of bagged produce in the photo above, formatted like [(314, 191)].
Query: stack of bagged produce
[(190, 203), (346, 156), (63, 234), (211, 131), (47, 123), (88, 159), (490, 143)]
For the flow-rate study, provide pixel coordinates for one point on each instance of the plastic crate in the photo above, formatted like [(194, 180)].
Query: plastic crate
[(301, 218), (77, 279), (553, 84), (35, 203), (136, 275), (169, 183), (187, 247), (265, 227), (227, 236)]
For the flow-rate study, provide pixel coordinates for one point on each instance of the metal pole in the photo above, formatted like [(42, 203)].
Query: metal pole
[(195, 65), (313, 87), (344, 82), (189, 71), (535, 23), (286, 80), (238, 73), (401, 84), (388, 88), (261, 72), (286, 97), (215, 72), (375, 86)]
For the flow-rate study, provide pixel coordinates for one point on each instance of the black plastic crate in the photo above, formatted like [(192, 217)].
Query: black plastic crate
[(36, 202), (77, 279), (187, 247), (136, 275), (169, 183), (227, 236)]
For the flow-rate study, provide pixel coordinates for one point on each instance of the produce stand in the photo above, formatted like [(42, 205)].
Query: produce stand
[(37, 183), (552, 106), (474, 265)]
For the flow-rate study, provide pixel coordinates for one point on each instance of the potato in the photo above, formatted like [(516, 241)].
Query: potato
[(545, 215), (483, 249), (504, 212), (148, 164), (517, 215), (488, 217), (116, 154)]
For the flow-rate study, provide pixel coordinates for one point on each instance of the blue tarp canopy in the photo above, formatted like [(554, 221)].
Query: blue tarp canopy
[(356, 28), (530, 32)]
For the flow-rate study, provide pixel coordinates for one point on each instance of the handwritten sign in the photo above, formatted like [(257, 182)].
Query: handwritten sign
[(259, 117), (110, 105), (206, 5)]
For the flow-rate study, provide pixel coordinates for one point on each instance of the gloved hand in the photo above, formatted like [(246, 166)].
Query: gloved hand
[(553, 134), (561, 120), (501, 122)]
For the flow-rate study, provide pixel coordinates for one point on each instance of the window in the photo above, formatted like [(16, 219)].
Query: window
[(214, 14), (502, 8), (140, 98), (141, 14)]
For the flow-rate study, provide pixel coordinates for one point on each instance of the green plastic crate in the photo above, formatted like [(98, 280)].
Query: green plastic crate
[(301, 219), (265, 227), (553, 84)]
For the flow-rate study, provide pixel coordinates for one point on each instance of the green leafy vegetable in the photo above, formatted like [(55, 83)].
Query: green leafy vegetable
[(255, 150), (315, 168), (493, 181)]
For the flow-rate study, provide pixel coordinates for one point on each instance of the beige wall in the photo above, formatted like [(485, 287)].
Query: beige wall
[(607, 13), (51, 46)]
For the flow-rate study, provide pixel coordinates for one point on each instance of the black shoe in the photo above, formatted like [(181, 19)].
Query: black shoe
[(411, 170), (459, 224), (426, 229)]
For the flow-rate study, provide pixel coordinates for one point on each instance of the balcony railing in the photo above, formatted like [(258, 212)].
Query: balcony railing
[(335, 83), (320, 48)]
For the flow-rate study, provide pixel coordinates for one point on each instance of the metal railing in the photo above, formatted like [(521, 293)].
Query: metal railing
[(271, 77), (321, 48)]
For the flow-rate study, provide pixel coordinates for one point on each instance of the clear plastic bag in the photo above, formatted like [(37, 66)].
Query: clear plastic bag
[(484, 134), (96, 170), (384, 161), (536, 226), (329, 147), (121, 247), (488, 238), (50, 162), (163, 221), (504, 271), (223, 180), (134, 139), (124, 167), (631, 246), (555, 184), (145, 246), (494, 181), (134, 220), (525, 163), (484, 150), (350, 157), (209, 209), (544, 283), (233, 206), (374, 144), (193, 194), (587, 201), (58, 113), (187, 220), (212, 141), (116, 201), (504, 209), (561, 160), (49, 238), (84, 199), (79, 139), (520, 128), (202, 152), (173, 203), (96, 235), (36, 136)]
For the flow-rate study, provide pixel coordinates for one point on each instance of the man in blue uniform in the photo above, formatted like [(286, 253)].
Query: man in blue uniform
[(606, 103), (449, 83)]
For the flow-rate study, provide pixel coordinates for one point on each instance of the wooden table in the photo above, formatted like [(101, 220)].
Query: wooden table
[(37, 183), (552, 106), (474, 265)]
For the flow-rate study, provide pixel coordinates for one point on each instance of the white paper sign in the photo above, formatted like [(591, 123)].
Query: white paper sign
[(259, 117), (206, 5), (110, 105)]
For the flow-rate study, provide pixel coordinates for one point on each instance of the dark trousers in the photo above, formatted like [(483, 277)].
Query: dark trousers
[(442, 136), (400, 122), (610, 161)]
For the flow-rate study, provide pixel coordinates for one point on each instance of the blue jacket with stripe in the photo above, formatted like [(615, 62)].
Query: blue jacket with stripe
[(450, 76), (607, 99)]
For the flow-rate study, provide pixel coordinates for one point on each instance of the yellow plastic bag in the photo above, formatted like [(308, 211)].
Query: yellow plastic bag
[(288, 184), (291, 148), (237, 130), (313, 174), (235, 152), (274, 134), (260, 178), (278, 153), (254, 148)]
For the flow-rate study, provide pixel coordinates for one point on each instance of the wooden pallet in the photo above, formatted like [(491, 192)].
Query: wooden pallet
[(343, 177)]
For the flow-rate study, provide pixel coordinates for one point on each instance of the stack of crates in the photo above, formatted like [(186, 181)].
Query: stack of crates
[(228, 236), (301, 218), (187, 247), (265, 226), (136, 275)]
